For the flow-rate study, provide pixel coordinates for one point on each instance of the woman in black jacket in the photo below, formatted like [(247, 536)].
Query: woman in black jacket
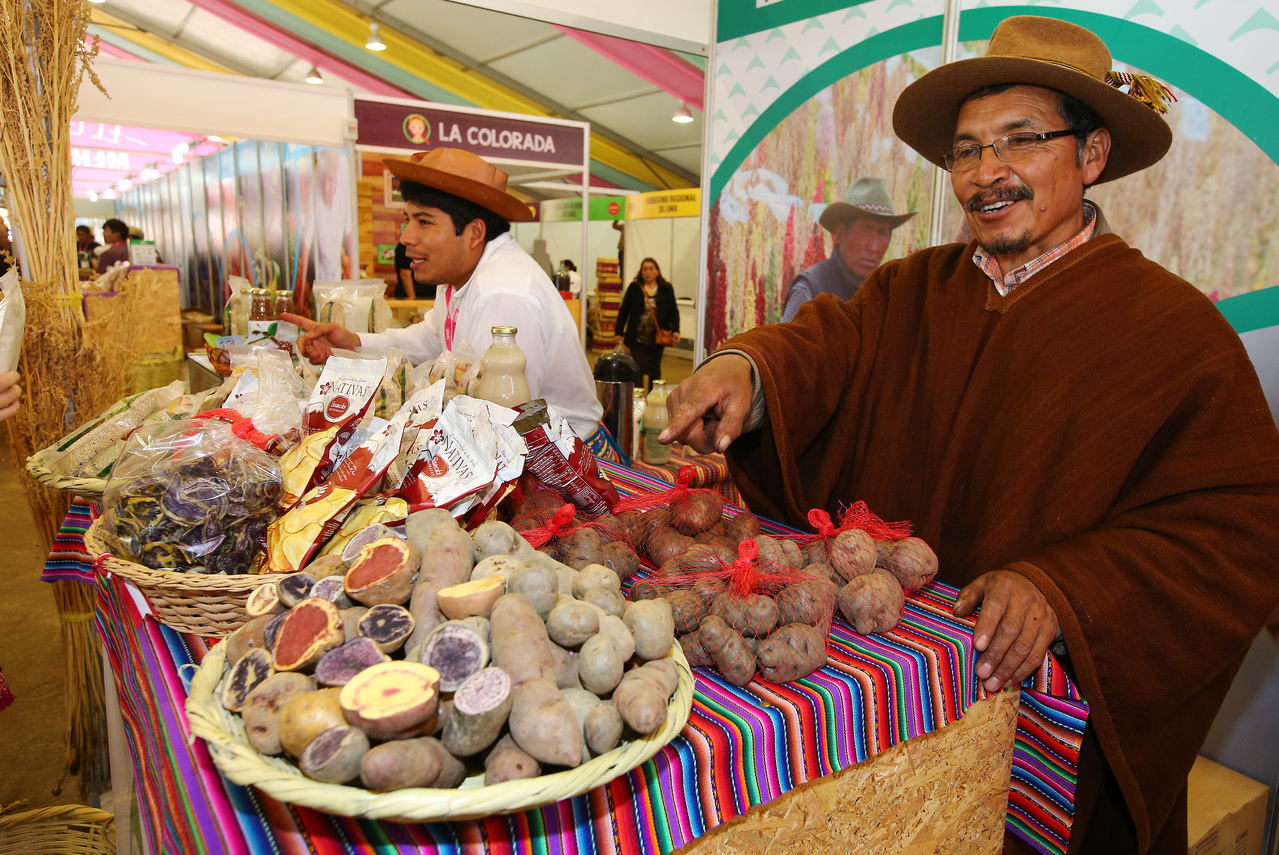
[(649, 303)]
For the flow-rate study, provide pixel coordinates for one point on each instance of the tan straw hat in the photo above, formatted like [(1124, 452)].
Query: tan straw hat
[(867, 197), (1041, 52), (463, 174)]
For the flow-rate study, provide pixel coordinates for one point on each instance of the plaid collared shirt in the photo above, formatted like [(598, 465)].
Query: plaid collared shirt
[(1005, 284)]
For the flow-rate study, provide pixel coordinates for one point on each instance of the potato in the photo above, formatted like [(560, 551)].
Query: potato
[(498, 538), (600, 665), (642, 695), (496, 565), (752, 615), (421, 762), (572, 622), (393, 700), (261, 711), (609, 600), (733, 658), (653, 627), (872, 602), (508, 762), (520, 645), (543, 724), (447, 559), (473, 598), (540, 586), (334, 756), (615, 628), (790, 652), (306, 716), (593, 575), (687, 609), (602, 729)]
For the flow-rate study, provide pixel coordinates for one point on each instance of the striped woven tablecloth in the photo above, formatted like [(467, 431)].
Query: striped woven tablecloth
[(741, 747), (709, 470)]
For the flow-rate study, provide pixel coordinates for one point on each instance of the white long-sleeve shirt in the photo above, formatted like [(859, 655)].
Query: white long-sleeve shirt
[(508, 288)]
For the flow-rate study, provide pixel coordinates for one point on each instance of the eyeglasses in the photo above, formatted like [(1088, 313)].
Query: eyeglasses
[(1008, 149)]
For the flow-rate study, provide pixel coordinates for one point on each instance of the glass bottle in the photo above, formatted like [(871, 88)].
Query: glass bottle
[(655, 418), (285, 331), (261, 311), (639, 403), (502, 379)]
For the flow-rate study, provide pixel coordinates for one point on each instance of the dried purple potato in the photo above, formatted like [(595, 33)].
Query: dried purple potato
[(145, 510), (158, 555), (197, 500), (200, 540)]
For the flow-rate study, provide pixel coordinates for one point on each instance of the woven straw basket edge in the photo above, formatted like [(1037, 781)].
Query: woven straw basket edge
[(237, 759), (89, 488), (188, 602)]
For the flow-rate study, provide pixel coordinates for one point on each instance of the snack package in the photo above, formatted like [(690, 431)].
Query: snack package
[(452, 461), (342, 395), (296, 535), (13, 319), (560, 460), (190, 495), (392, 392), (373, 510), (357, 304), (236, 311)]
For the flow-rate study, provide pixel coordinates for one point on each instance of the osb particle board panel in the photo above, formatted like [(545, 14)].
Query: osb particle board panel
[(944, 792)]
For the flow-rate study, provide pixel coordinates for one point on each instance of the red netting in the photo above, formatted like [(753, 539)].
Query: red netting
[(857, 516), (692, 509), (579, 542)]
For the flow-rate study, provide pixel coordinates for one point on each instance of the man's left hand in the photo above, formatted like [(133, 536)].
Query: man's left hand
[(1014, 630)]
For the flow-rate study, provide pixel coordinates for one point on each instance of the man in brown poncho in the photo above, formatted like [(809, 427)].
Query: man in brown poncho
[(1078, 433)]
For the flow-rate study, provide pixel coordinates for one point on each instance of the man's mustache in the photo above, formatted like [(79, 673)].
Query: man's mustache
[(1007, 194)]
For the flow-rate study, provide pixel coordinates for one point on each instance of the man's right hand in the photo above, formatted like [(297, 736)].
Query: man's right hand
[(318, 340), (709, 409)]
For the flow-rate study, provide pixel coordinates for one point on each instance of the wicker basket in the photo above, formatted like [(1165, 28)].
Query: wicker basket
[(231, 751), (212, 606), (37, 468), (59, 830)]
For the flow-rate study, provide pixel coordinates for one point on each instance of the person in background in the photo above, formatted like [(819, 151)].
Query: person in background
[(116, 235), (458, 217), (647, 305), (405, 287), (569, 269), (1078, 433), (862, 225), (84, 241)]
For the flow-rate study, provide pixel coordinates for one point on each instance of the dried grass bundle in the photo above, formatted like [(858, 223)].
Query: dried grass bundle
[(43, 56)]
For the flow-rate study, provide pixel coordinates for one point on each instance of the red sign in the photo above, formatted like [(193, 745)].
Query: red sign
[(614, 209), (414, 126)]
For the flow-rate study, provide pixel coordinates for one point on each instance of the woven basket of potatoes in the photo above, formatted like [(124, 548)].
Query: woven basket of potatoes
[(442, 675)]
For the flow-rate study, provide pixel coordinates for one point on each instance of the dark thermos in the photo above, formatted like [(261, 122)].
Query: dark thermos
[(616, 374)]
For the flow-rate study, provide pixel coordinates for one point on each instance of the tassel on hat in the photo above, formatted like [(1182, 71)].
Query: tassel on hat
[(1144, 88)]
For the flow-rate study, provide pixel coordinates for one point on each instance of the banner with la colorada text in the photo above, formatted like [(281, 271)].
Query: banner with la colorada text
[(802, 94)]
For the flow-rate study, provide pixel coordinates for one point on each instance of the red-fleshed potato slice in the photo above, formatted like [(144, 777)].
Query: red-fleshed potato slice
[(393, 700), (383, 572), (306, 632)]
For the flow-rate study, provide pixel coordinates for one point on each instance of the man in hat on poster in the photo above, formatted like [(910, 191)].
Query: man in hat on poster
[(1078, 433), (458, 216), (862, 225)]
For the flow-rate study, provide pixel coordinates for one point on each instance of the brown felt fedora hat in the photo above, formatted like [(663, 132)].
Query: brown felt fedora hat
[(463, 174), (867, 197), (1041, 52)]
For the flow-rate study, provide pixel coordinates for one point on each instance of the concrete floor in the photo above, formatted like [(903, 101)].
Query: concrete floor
[(32, 728)]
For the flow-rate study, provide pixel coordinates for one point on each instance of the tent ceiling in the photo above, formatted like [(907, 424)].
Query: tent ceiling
[(446, 51)]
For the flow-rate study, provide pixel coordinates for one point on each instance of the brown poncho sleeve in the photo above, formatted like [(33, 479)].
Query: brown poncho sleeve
[(1100, 430)]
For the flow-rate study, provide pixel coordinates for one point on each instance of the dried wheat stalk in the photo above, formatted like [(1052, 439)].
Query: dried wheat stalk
[(65, 377)]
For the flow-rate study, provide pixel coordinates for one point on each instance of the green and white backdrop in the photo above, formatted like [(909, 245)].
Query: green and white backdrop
[(801, 100)]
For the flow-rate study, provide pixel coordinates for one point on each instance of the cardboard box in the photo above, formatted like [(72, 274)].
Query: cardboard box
[(1227, 811)]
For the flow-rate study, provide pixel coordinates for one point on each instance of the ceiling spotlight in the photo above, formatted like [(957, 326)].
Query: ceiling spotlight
[(180, 149), (213, 138), (375, 41), (682, 115), (108, 193), (93, 197), (313, 76), (123, 184)]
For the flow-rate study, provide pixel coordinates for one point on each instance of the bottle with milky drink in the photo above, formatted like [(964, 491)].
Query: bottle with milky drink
[(502, 379), (655, 418)]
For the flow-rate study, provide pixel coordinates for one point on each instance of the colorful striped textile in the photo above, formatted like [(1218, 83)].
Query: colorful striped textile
[(67, 559), (741, 748), (710, 471)]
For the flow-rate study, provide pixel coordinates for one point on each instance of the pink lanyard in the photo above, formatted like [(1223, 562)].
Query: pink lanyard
[(450, 318)]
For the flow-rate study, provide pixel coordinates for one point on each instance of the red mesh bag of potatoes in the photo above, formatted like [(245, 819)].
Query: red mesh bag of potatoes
[(577, 539), (752, 617), (693, 510), (862, 543)]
